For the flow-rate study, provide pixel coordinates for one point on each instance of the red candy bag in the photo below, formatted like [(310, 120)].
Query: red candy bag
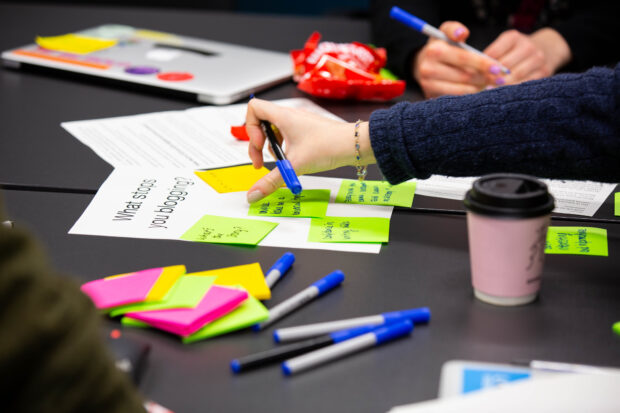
[(343, 71)]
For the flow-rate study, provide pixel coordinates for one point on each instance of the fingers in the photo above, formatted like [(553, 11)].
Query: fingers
[(435, 88), (502, 44), (265, 186), (455, 31), (457, 57), (258, 110), (428, 70)]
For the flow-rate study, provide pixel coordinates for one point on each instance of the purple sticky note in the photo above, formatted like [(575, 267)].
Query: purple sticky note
[(142, 70), (217, 302), (122, 290)]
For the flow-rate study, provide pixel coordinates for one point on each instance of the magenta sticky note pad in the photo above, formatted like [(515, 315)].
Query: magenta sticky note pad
[(121, 290), (217, 302)]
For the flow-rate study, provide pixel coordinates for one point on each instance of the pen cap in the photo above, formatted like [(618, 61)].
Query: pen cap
[(392, 331), (410, 20), (284, 263), (343, 335), (289, 176), (329, 281), (416, 315)]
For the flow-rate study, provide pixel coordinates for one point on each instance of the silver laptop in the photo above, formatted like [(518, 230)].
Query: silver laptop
[(214, 72)]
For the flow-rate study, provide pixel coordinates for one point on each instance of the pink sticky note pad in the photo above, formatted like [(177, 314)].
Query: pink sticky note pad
[(217, 302), (126, 289)]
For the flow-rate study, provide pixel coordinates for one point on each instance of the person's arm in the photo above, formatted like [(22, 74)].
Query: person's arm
[(566, 126), (52, 356)]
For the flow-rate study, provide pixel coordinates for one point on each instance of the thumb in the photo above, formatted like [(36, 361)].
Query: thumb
[(265, 186), (455, 31)]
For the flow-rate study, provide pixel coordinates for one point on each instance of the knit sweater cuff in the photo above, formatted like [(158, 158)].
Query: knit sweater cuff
[(388, 144)]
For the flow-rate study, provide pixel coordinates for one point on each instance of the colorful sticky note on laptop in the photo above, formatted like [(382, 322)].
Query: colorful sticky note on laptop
[(283, 203), (233, 179), (74, 43), (225, 230), (349, 229), (617, 204), (577, 241), (217, 302), (186, 293), (133, 287), (250, 312), (376, 193), (248, 276)]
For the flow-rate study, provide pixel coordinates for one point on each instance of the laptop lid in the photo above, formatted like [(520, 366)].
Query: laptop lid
[(215, 72)]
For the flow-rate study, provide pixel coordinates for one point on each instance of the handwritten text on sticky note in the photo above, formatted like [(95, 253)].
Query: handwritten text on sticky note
[(349, 229), (224, 230), (376, 193), (282, 203), (576, 241)]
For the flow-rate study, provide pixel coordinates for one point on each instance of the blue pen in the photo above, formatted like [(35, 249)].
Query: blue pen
[(280, 353), (416, 315), (317, 289), (279, 268), (423, 27), (283, 164), (374, 338)]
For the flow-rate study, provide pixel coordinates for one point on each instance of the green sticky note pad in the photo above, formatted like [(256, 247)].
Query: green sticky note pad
[(376, 193), (186, 293), (225, 230), (349, 229), (283, 203), (617, 204), (247, 314), (132, 322), (577, 241)]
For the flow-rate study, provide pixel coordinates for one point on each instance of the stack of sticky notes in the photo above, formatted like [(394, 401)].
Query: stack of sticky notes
[(194, 306)]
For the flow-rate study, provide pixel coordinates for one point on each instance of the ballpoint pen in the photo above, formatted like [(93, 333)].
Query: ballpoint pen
[(423, 27)]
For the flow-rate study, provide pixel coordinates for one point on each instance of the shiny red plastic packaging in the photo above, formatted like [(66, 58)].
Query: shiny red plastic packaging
[(343, 71)]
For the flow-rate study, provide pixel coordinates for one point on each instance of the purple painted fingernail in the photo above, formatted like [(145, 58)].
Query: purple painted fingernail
[(495, 69), (459, 32), (500, 81)]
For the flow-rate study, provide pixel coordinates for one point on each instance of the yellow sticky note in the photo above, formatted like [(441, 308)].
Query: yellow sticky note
[(74, 43), (233, 179), (249, 276), (166, 280)]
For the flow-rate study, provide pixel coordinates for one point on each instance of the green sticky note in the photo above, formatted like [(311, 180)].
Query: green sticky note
[(576, 241), (376, 193), (617, 204), (349, 229), (616, 327), (186, 293), (247, 314), (283, 203), (132, 322), (225, 230)]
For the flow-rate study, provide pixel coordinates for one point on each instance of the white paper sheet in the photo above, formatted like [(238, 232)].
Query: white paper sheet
[(571, 197), (193, 138), (164, 203)]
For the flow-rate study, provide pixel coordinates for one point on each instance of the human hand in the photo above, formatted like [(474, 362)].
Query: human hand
[(530, 57), (313, 143), (444, 69)]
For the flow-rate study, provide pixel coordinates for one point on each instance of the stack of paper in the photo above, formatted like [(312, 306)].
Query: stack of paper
[(194, 306)]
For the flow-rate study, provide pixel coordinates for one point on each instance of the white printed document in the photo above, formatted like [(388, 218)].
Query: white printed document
[(164, 203), (571, 197), (193, 138)]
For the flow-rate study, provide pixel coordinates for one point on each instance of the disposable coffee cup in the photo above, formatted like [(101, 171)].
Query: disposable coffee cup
[(507, 220)]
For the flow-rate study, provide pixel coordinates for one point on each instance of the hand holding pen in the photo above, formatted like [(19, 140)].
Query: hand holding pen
[(448, 65), (307, 135)]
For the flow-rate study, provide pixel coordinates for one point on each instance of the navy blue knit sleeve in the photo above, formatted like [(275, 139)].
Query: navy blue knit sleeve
[(566, 126)]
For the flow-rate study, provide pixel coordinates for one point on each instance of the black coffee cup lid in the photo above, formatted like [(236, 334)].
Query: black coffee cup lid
[(509, 195)]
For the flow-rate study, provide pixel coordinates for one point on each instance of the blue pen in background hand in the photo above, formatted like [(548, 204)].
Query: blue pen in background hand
[(283, 164), (423, 27)]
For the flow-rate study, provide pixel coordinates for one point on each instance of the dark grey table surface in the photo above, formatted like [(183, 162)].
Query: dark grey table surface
[(425, 263)]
